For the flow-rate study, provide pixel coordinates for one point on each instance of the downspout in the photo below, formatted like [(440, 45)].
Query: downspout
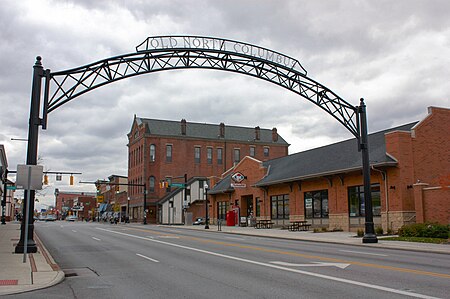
[(384, 177)]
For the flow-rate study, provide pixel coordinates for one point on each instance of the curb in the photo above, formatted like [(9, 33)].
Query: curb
[(372, 245)]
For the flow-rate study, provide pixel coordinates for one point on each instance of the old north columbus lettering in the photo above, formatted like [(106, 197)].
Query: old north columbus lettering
[(217, 44)]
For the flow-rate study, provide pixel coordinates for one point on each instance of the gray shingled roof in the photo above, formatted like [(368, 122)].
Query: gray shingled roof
[(222, 186), (208, 131), (335, 158), (331, 159)]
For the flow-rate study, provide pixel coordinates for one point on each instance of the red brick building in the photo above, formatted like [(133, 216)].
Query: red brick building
[(113, 195), (162, 150), (82, 204), (410, 179)]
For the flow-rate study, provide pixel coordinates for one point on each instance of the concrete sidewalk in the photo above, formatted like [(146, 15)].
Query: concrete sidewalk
[(39, 270), (326, 237)]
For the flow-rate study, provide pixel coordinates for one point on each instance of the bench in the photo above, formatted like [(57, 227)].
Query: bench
[(299, 226), (264, 224)]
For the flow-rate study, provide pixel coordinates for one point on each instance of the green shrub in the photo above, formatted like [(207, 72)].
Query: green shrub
[(324, 229), (425, 230), (390, 231), (379, 230), (316, 230), (360, 233)]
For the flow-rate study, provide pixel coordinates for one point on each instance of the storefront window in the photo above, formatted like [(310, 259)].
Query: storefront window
[(316, 204), (222, 210), (280, 206), (357, 204)]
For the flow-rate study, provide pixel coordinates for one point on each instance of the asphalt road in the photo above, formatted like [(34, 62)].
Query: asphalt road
[(136, 261)]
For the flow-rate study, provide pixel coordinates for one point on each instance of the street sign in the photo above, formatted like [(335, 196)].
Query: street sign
[(29, 177), (181, 185), (11, 187), (100, 198)]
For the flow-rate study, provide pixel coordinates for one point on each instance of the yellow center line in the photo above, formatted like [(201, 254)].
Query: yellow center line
[(308, 256)]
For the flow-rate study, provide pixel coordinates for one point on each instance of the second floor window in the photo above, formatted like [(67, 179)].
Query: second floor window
[(151, 184), (219, 156), (209, 153), (266, 152), (237, 155), (152, 152), (252, 151), (168, 153), (197, 154)]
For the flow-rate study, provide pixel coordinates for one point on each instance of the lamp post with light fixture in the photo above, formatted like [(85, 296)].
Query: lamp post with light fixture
[(206, 207)]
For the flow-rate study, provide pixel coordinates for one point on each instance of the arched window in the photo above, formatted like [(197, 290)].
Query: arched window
[(151, 184), (152, 152)]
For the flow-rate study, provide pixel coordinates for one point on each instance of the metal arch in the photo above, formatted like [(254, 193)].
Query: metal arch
[(163, 53), (69, 84)]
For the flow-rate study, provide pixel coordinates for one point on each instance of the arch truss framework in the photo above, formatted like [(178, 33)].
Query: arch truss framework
[(195, 52)]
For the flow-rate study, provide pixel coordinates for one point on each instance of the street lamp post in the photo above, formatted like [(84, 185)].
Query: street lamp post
[(145, 203), (128, 210), (206, 207), (5, 188)]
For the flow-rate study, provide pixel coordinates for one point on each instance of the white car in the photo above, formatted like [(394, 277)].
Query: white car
[(71, 218)]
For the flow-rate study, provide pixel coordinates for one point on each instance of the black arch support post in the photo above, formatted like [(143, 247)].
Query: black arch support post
[(369, 235), (33, 132)]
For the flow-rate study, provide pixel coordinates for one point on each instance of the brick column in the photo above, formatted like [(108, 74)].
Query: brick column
[(418, 201)]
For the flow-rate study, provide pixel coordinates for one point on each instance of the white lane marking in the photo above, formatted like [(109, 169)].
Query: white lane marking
[(151, 237), (74, 230), (367, 253), (314, 264), (96, 238), (146, 257), (343, 280)]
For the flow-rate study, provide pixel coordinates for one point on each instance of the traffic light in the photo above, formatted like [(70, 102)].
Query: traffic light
[(71, 180), (117, 188), (45, 179)]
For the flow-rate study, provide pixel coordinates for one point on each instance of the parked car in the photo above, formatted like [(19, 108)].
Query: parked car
[(199, 221), (71, 218), (50, 217)]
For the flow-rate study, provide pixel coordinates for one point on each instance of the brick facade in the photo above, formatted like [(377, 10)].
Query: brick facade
[(414, 188), (142, 166)]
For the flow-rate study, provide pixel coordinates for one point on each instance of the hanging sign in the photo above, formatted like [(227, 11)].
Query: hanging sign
[(237, 179)]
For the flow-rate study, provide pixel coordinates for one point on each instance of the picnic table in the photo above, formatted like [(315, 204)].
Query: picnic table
[(264, 223), (299, 225)]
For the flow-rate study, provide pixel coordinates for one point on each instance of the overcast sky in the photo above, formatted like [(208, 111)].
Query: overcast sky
[(395, 54)]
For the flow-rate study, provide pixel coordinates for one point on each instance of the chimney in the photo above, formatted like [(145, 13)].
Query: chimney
[(222, 130), (274, 135), (257, 133), (183, 127)]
